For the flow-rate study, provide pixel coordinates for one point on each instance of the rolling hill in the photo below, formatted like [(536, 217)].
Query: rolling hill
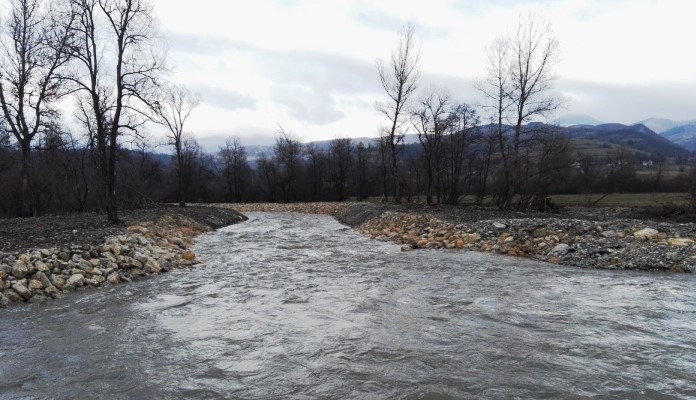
[(683, 135), (637, 137), (577, 119), (660, 125)]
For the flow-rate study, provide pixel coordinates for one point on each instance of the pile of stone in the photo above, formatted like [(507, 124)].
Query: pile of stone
[(148, 249), (332, 209), (618, 244)]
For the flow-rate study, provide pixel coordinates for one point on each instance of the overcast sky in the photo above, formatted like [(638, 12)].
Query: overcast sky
[(310, 65)]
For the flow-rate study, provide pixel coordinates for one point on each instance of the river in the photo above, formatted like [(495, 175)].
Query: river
[(300, 306)]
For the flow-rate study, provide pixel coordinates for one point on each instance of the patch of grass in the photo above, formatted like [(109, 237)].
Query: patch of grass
[(624, 199)]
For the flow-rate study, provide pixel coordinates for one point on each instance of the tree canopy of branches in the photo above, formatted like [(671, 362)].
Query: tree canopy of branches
[(235, 168), (288, 153), (117, 65), (34, 50), (518, 86), (431, 121), (171, 110), (399, 78)]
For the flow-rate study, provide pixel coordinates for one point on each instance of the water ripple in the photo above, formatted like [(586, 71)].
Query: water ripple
[(299, 306)]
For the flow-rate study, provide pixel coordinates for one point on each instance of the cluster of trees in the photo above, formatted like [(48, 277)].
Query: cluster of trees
[(105, 56), (462, 160), (517, 89)]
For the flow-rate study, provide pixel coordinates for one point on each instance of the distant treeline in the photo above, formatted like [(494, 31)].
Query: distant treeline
[(462, 162), (106, 57)]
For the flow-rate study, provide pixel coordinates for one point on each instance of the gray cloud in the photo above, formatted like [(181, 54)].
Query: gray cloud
[(307, 103), (303, 81), (374, 18), (195, 44), (248, 136), (631, 103), (225, 98)]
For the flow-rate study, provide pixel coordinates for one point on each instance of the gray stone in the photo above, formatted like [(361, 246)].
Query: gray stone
[(21, 290), (12, 295), (114, 279), (646, 234), (46, 252), (92, 282), (40, 276), (57, 281), (52, 292), (5, 268), (20, 270), (42, 267), (85, 266), (35, 285), (152, 266), (4, 301), (609, 234), (76, 280), (560, 250), (496, 225)]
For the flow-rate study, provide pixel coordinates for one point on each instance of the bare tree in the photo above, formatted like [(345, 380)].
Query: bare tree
[(317, 160), (361, 171), (33, 51), (268, 174), (496, 89), (431, 120), (534, 51), (117, 68), (171, 111), (341, 165), (462, 125), (399, 79), (288, 153), (234, 165)]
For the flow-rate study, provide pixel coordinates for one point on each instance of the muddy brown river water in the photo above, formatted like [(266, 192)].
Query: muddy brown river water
[(300, 306)]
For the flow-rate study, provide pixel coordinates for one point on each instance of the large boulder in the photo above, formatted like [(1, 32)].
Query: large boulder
[(4, 301), (85, 265), (21, 290), (646, 234), (559, 250), (20, 270), (680, 242), (76, 280), (57, 281)]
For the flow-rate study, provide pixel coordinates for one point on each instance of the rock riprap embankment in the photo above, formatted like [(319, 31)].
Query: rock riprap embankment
[(145, 249), (617, 244), (611, 244)]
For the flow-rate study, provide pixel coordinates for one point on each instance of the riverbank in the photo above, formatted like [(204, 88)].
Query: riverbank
[(47, 257), (586, 238)]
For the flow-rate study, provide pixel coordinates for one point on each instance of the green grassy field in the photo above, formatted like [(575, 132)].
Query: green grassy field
[(624, 199), (612, 200)]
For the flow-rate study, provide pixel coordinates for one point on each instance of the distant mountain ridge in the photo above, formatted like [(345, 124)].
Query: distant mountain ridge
[(637, 137), (660, 125), (683, 135), (577, 119)]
